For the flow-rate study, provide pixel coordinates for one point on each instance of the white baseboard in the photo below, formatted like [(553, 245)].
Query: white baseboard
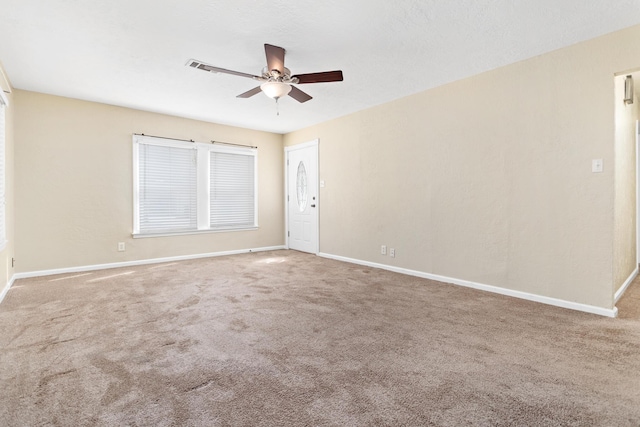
[(7, 287), (489, 288), (622, 289), (139, 262)]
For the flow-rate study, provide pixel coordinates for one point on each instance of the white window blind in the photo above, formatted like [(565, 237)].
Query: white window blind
[(232, 192), (188, 187), (168, 198)]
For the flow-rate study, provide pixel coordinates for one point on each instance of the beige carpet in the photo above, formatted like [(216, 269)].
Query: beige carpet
[(284, 338)]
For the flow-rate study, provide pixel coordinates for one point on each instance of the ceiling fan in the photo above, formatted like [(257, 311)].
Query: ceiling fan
[(276, 79)]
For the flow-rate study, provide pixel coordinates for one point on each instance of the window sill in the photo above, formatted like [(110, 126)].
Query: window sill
[(186, 233)]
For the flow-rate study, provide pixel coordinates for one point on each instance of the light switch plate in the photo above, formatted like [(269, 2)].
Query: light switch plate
[(596, 165)]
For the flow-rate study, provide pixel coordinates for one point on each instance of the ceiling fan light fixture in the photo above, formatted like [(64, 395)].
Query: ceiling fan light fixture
[(275, 90)]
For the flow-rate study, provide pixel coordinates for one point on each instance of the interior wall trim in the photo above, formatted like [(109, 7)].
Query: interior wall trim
[(444, 279), (138, 262), (622, 289), (480, 286), (7, 287)]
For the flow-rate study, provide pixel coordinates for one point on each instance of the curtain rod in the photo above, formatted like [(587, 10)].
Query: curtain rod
[(191, 140)]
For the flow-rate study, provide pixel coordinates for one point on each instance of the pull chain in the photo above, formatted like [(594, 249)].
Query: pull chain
[(277, 108)]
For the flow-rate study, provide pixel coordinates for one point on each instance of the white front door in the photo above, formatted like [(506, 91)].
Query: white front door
[(302, 197)]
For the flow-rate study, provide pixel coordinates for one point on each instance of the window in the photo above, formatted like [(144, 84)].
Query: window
[(187, 187), (168, 179), (231, 190), (3, 178), (301, 187)]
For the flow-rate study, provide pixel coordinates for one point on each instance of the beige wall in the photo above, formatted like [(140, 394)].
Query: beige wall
[(74, 184), (624, 249), (487, 179), (6, 269)]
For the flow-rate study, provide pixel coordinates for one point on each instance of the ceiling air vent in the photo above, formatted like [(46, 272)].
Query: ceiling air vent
[(199, 65)]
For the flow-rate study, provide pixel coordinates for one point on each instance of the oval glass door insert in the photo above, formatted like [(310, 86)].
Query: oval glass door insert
[(301, 187)]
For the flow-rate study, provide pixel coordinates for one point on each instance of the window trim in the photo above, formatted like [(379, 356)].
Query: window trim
[(203, 184)]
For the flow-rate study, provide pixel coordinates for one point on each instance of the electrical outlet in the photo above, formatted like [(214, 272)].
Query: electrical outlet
[(120, 246), (392, 253), (383, 250)]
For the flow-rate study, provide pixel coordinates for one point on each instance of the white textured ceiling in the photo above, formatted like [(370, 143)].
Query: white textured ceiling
[(133, 52)]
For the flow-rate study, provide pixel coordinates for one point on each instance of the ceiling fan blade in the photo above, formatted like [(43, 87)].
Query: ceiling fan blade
[(299, 95), (250, 93), (275, 58), (206, 67), (323, 77)]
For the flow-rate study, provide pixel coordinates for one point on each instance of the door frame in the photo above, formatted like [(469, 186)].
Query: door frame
[(313, 143), (637, 193)]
